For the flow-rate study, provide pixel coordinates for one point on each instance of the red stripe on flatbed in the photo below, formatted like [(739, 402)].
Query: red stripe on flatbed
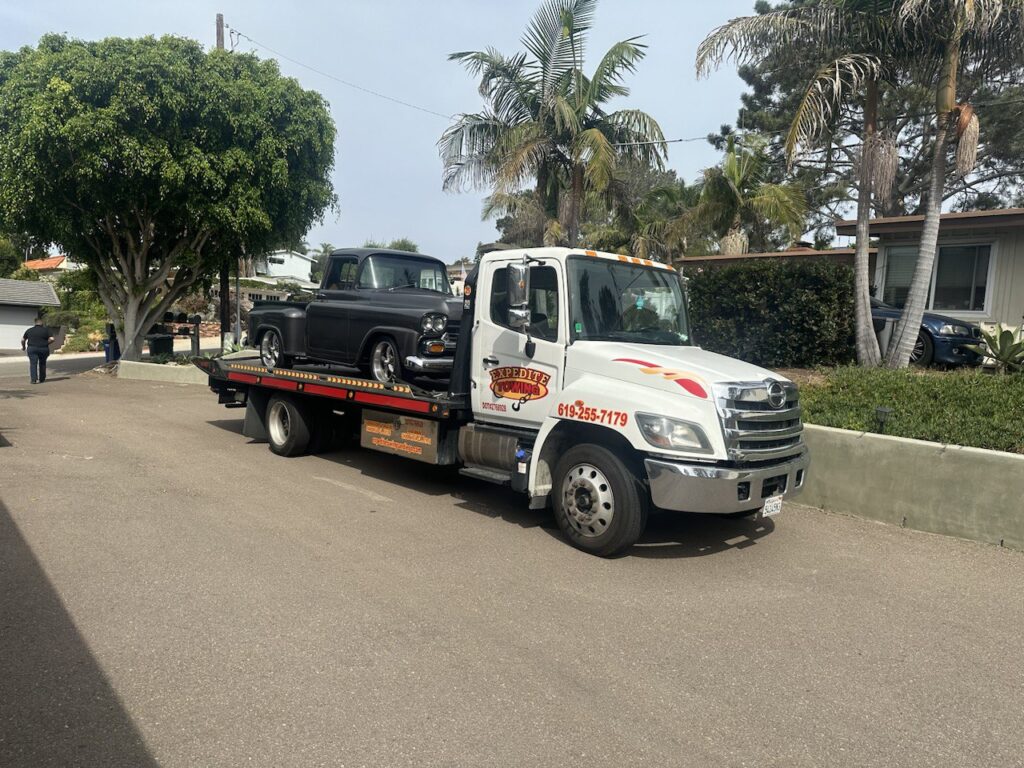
[(246, 378), (316, 389), (280, 384), (393, 402)]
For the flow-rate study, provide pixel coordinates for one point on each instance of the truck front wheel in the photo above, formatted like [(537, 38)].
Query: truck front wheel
[(598, 502), (288, 431)]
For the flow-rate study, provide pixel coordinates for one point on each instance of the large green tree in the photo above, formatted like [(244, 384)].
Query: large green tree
[(984, 38), (152, 161), (545, 122)]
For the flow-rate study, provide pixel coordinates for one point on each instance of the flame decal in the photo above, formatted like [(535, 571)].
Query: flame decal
[(690, 382)]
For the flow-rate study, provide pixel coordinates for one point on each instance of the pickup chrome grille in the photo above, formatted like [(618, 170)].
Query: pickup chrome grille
[(755, 427)]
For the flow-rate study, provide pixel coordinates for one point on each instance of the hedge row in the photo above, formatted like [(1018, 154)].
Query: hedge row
[(775, 313), (971, 408)]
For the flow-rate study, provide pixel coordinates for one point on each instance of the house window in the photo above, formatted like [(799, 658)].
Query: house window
[(959, 282)]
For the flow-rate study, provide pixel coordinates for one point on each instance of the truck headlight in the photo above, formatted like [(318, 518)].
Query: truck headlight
[(672, 434), (434, 323), (954, 330)]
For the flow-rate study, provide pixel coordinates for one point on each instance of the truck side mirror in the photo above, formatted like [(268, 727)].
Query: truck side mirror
[(519, 295)]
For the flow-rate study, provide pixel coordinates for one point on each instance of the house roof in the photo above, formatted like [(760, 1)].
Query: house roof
[(28, 293), (1000, 218), (791, 253), (54, 262)]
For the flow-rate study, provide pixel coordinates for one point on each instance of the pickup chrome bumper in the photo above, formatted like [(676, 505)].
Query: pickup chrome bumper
[(428, 364), (722, 490)]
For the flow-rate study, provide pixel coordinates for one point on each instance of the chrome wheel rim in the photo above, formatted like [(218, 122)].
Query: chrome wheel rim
[(385, 361), (918, 351), (270, 349), (588, 500), (280, 424)]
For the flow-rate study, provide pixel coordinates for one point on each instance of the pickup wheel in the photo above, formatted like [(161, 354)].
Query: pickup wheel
[(598, 502), (288, 429), (271, 350), (385, 361)]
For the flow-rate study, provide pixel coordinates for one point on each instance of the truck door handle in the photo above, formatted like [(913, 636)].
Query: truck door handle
[(492, 360)]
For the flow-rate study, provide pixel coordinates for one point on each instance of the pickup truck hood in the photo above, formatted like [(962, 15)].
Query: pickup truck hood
[(682, 370), (416, 298)]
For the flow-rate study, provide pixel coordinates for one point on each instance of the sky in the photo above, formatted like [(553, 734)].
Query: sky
[(387, 173)]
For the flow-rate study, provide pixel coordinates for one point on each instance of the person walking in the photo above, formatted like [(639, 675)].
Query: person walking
[(36, 341)]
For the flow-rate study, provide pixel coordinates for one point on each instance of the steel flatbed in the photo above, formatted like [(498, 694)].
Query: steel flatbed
[(236, 375)]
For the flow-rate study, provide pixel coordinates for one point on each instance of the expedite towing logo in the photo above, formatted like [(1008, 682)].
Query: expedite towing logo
[(519, 384)]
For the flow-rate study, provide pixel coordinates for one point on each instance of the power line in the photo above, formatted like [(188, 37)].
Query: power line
[(337, 79), (706, 136)]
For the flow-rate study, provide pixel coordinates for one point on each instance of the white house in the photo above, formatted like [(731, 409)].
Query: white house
[(284, 265), (20, 303)]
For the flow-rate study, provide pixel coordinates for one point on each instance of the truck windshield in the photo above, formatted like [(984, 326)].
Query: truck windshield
[(619, 301), (389, 272)]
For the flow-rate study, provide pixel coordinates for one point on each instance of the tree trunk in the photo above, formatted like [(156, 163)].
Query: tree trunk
[(909, 325), (868, 354), (575, 201)]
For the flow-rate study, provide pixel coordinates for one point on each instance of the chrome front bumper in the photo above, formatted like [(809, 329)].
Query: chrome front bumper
[(428, 364), (722, 490)]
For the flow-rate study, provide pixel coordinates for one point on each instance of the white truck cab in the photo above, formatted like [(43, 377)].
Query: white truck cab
[(592, 353)]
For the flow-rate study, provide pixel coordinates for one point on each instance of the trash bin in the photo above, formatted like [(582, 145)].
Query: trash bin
[(106, 350), (160, 344)]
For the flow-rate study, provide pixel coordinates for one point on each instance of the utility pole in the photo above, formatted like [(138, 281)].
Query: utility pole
[(225, 289)]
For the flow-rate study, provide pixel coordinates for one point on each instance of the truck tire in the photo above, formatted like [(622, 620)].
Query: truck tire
[(598, 502), (385, 363), (288, 430), (272, 350)]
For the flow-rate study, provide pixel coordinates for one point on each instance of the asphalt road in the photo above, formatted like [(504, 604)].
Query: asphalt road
[(15, 367), (172, 594)]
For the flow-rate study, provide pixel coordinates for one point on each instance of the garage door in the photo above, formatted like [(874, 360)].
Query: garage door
[(13, 322)]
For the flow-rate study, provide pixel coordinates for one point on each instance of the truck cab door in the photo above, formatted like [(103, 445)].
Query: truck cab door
[(329, 314), (508, 386)]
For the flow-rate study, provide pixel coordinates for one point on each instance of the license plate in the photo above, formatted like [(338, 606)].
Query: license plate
[(772, 506)]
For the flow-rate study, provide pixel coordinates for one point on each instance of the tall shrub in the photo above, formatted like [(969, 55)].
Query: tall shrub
[(775, 313)]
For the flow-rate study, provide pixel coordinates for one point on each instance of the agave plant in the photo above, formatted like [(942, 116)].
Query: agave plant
[(1004, 347)]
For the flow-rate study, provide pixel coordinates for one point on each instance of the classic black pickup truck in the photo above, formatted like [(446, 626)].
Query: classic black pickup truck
[(389, 313)]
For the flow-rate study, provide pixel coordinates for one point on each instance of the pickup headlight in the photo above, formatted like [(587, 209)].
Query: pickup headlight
[(672, 434), (434, 323), (955, 330)]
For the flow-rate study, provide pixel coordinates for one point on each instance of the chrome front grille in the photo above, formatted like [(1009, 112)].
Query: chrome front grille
[(754, 428)]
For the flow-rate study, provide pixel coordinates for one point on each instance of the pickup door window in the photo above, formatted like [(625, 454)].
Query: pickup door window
[(328, 317)]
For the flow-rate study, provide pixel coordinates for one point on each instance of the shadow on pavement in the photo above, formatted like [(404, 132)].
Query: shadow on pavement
[(19, 394), (57, 708), (668, 535)]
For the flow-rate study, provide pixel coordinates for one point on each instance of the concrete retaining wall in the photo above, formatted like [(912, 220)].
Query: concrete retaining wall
[(172, 374), (966, 492)]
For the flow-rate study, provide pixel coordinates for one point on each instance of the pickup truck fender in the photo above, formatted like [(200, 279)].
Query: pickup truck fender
[(406, 338), (290, 324), (600, 410)]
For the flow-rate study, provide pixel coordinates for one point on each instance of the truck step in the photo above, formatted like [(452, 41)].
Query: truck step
[(495, 476)]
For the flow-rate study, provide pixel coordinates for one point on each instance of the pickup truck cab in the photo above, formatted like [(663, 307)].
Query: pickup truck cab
[(389, 313), (576, 381)]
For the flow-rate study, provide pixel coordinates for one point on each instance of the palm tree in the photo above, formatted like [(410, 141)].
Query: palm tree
[(735, 196), (546, 122), (857, 48), (985, 38)]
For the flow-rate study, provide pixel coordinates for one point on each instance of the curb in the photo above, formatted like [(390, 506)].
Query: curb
[(172, 374)]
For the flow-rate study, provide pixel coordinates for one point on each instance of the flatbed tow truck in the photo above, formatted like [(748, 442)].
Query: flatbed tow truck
[(575, 382)]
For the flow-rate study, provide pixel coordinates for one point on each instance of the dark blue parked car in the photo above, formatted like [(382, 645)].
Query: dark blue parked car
[(942, 340)]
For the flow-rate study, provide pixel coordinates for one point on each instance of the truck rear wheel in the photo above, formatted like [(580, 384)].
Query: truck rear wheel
[(272, 350), (598, 502), (288, 431)]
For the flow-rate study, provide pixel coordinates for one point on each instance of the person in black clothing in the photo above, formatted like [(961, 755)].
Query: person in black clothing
[(36, 341)]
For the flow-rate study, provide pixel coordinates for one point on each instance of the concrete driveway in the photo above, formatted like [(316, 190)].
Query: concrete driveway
[(172, 594)]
